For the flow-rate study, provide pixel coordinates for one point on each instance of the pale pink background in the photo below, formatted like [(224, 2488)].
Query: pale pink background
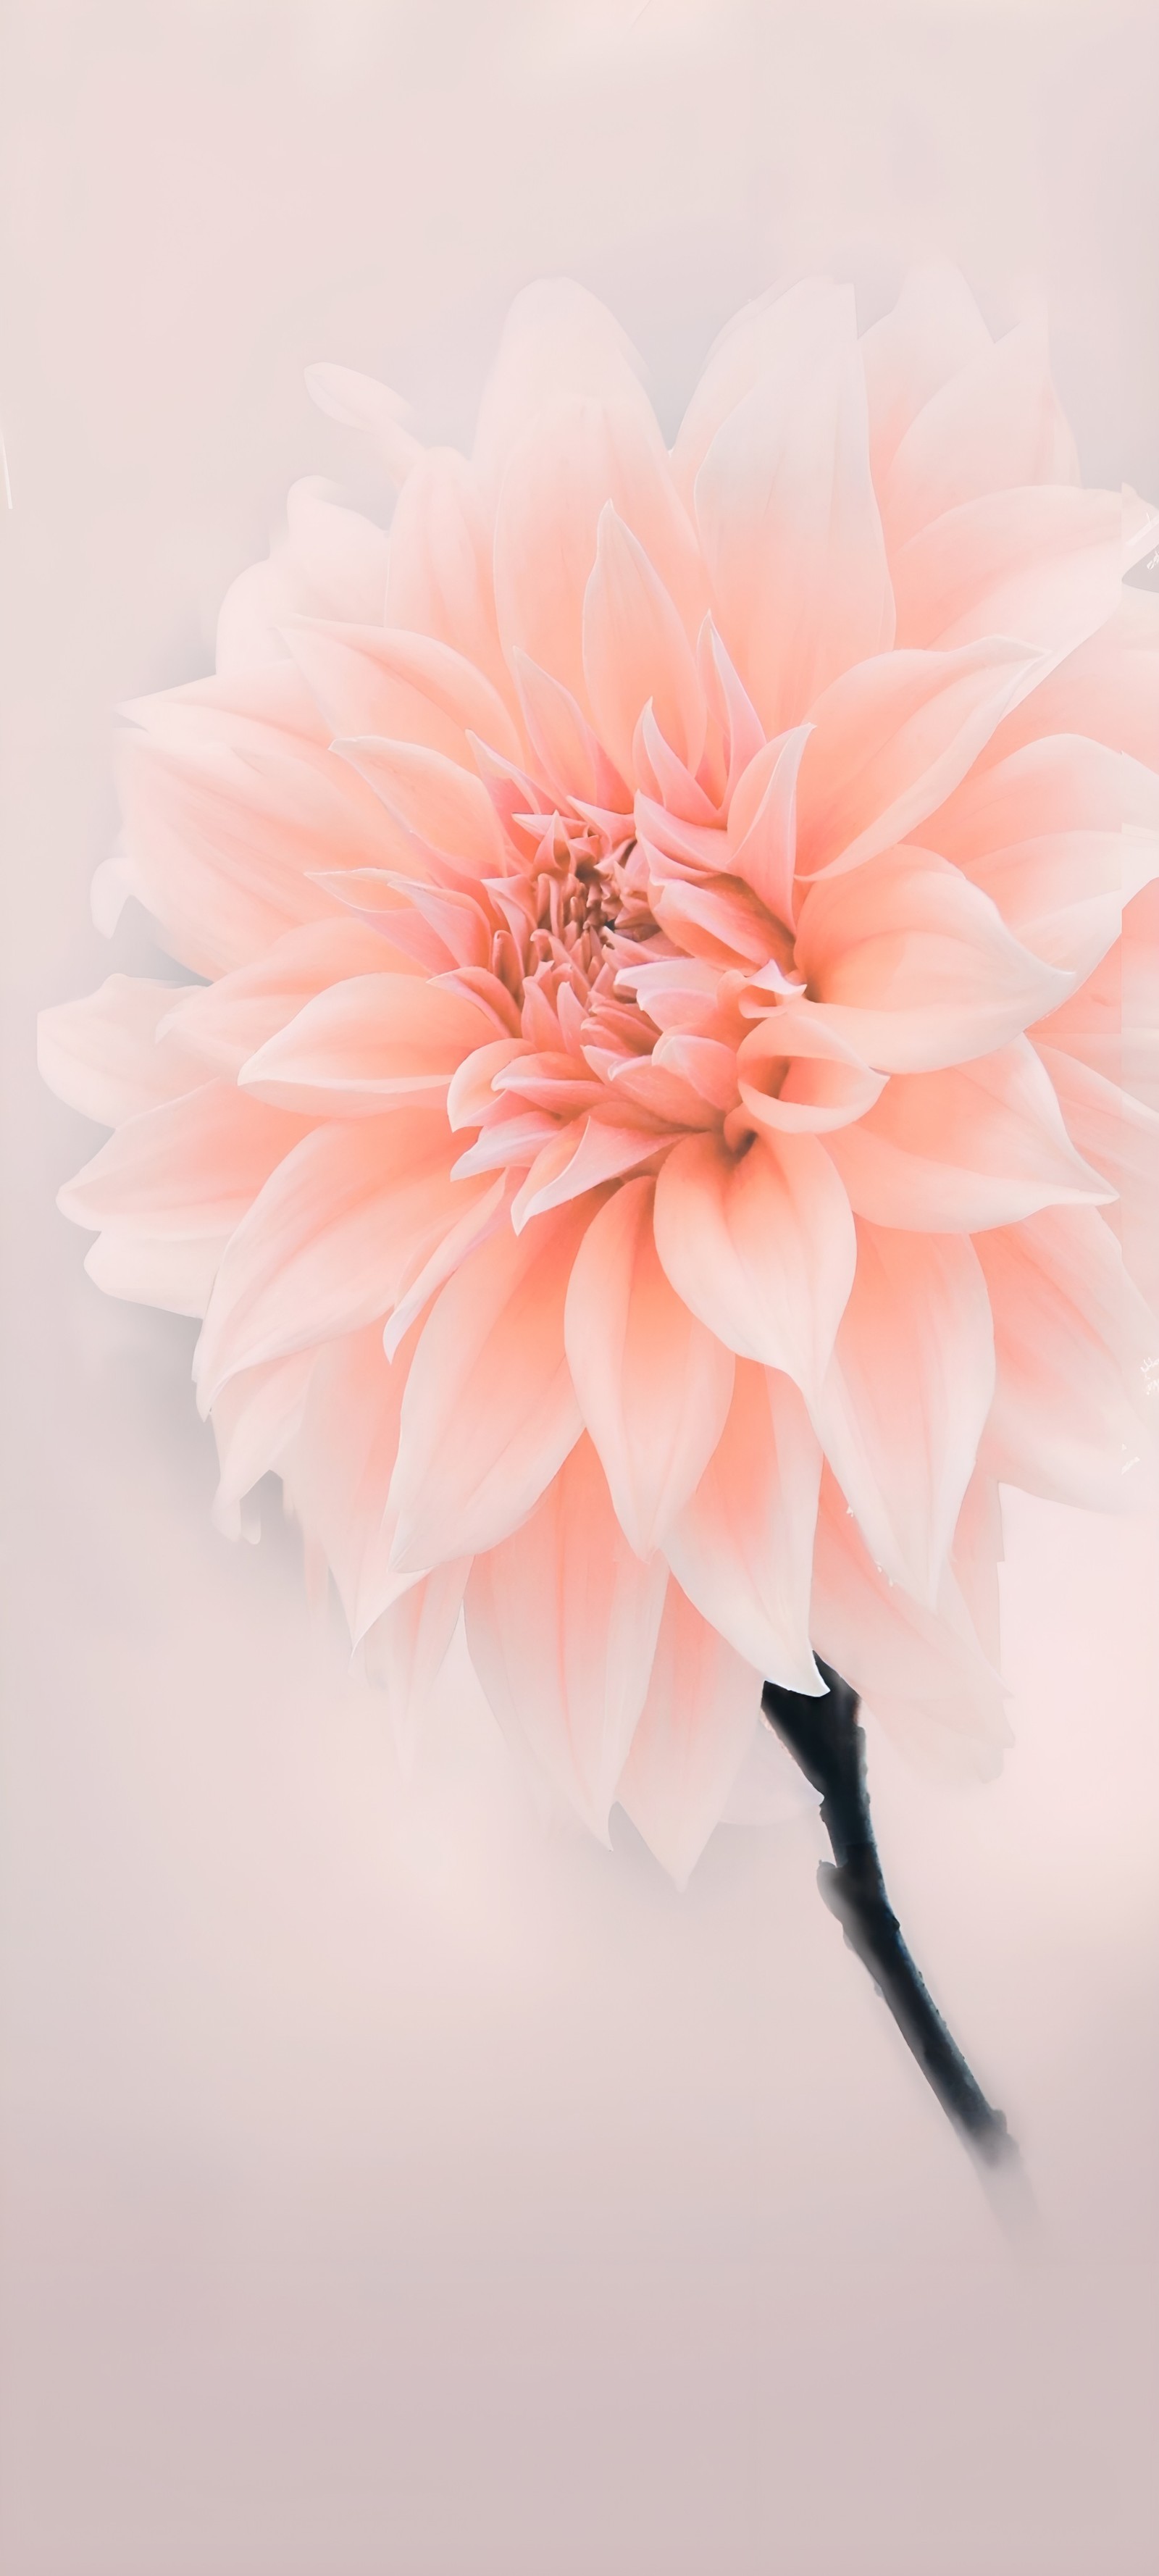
[(390, 2191)]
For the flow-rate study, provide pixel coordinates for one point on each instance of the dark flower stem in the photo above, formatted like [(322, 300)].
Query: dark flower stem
[(826, 1739)]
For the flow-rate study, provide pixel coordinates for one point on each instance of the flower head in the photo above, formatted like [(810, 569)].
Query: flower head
[(668, 1125)]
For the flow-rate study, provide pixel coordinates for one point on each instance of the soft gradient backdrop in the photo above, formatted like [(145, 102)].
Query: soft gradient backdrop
[(390, 2190)]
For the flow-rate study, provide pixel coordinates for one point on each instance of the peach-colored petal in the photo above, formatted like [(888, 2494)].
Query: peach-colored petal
[(799, 1075), (915, 968), (439, 581), (406, 1647), (1119, 1137), (1076, 1354), (255, 1419), (192, 1166), (575, 456), (654, 1385), (446, 809), (742, 1548), (329, 1241), (635, 650), (411, 688), (490, 1412), (995, 425), (890, 740), (790, 528), (562, 1621), (108, 1056), (761, 1249), (363, 1044), (921, 1672), (696, 1725), (1042, 564), (977, 1145), (906, 1394), (932, 335)]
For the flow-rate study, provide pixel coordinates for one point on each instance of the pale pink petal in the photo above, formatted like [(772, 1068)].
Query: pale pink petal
[(573, 760), (1042, 564), (406, 1647), (254, 1420), (445, 808), (995, 425), (921, 1673), (576, 456), (104, 1055), (761, 1247), (1108, 688), (799, 1075), (915, 968), (976, 1145), (1077, 1350), (742, 1548), (490, 1412), (366, 1043), (933, 333), (190, 1167), (790, 528), (635, 651), (174, 1272), (224, 848), (559, 342), (1119, 1137), (562, 1621), (577, 1160), (331, 563), (905, 1397), (361, 402), (654, 1385), (439, 580), (328, 1243), (762, 823), (412, 688), (697, 1723), (889, 742)]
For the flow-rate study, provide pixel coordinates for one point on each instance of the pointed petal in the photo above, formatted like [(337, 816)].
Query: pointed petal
[(365, 1043), (490, 1412), (654, 1385), (103, 1054), (1076, 1349), (191, 1167), (635, 650), (410, 688), (996, 425), (406, 1647), (330, 1240), (761, 1248), (976, 1145), (742, 1548), (890, 741), (562, 1621), (921, 1673), (698, 1720), (906, 1395), (915, 968), (790, 527)]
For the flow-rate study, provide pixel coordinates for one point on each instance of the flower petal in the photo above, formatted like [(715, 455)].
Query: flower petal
[(362, 1044), (789, 522), (490, 1412), (761, 1248), (742, 1548), (906, 1395), (654, 1385), (1077, 1352), (977, 1145), (697, 1723), (635, 650), (915, 968), (562, 1620)]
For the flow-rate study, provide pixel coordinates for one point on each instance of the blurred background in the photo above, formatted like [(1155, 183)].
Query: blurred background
[(390, 2189)]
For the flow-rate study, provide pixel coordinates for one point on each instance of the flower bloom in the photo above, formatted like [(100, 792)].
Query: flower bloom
[(669, 1121)]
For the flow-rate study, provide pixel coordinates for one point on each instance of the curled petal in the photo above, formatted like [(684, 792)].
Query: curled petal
[(797, 1074), (362, 1044)]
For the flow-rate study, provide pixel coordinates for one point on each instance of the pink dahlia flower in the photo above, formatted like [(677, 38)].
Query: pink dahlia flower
[(663, 1121)]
